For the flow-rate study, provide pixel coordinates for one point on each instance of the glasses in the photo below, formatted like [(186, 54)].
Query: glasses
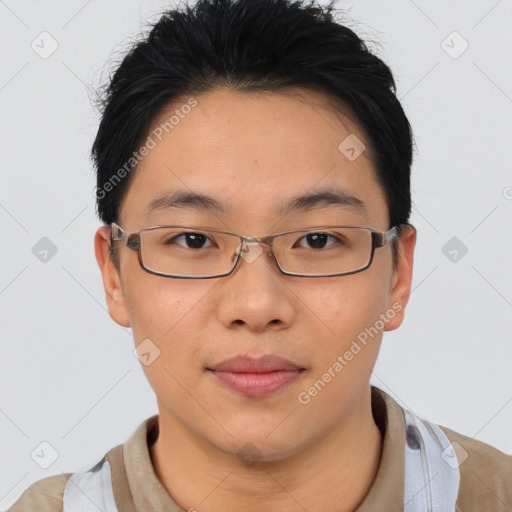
[(191, 252)]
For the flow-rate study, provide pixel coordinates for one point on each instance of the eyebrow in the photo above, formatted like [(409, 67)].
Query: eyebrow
[(186, 199), (330, 196)]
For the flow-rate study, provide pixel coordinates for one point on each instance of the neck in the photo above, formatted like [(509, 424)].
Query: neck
[(333, 475)]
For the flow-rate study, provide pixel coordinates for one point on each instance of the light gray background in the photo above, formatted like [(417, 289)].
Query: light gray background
[(68, 373)]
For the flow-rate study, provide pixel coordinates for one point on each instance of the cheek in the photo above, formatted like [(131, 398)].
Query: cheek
[(157, 304), (344, 307), (166, 316), (168, 312), (343, 323)]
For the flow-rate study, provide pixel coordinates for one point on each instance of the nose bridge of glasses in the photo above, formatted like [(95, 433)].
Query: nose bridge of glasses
[(250, 248)]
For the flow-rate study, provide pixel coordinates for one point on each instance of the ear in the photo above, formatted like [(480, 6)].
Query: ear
[(111, 281), (402, 277)]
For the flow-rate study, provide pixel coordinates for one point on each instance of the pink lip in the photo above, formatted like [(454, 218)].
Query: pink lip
[(263, 364), (256, 377)]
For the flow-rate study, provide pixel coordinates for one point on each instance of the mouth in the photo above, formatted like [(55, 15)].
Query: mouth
[(256, 377)]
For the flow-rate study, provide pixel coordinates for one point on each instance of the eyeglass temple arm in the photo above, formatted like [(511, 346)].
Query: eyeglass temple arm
[(117, 233), (382, 239), (391, 234)]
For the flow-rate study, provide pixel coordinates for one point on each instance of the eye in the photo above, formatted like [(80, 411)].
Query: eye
[(192, 240), (318, 240)]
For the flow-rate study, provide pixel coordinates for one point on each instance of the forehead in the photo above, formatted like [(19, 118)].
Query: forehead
[(255, 155)]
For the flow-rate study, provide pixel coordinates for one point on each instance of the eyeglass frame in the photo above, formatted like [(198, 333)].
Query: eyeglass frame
[(132, 241)]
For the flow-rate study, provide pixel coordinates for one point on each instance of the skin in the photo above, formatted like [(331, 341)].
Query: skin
[(254, 152)]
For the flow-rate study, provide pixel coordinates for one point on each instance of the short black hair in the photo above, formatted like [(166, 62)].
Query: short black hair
[(249, 46)]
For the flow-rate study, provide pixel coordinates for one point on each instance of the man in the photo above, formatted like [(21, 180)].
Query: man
[(253, 171)]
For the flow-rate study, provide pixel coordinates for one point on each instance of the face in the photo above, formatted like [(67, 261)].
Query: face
[(253, 153)]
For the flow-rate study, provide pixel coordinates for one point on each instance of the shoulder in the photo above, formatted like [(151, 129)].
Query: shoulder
[(45, 495), (72, 491), (485, 474)]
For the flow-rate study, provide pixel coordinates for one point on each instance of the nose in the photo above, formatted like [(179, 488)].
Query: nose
[(255, 295)]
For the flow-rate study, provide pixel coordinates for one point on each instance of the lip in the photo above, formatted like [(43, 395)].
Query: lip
[(262, 364), (257, 377)]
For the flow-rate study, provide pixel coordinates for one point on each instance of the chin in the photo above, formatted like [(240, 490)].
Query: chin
[(256, 445)]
